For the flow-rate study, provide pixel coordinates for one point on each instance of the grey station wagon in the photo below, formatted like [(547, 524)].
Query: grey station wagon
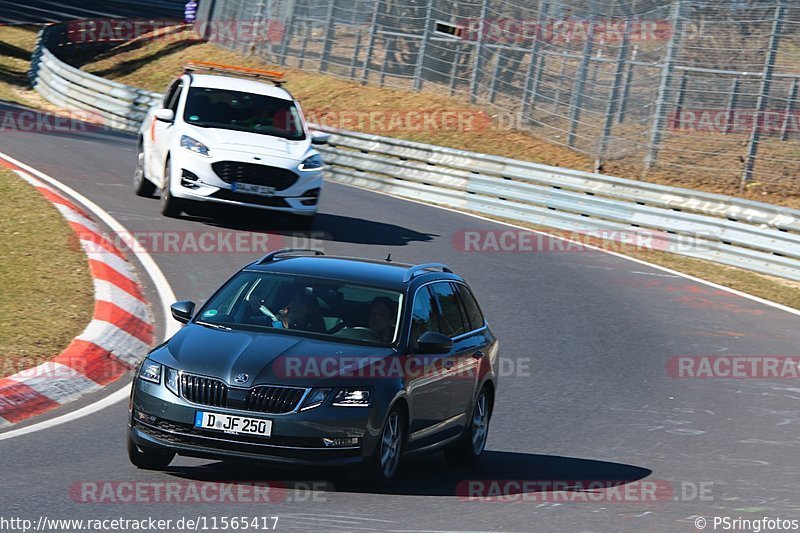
[(302, 358)]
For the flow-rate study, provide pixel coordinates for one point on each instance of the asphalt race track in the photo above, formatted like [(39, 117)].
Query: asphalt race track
[(585, 336)]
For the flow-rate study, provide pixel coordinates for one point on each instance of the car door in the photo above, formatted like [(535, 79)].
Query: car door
[(471, 350), (161, 132), (461, 364), (425, 379)]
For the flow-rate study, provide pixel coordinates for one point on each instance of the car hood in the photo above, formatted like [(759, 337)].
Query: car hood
[(266, 358), (250, 143)]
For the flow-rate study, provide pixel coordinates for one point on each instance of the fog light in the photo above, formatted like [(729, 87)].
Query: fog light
[(340, 442), (190, 180), (144, 417)]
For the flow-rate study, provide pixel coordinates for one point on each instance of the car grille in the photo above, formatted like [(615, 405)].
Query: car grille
[(273, 399), (205, 391), (262, 399), (230, 171)]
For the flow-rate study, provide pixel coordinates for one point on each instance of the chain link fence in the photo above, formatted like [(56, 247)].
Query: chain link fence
[(707, 87)]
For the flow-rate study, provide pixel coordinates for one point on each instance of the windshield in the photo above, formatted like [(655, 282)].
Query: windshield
[(234, 110), (314, 306)]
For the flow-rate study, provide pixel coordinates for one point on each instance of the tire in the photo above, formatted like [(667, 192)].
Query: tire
[(381, 469), (468, 449), (148, 459), (141, 185), (170, 206)]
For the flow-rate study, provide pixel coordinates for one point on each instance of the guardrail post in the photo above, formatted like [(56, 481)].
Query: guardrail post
[(330, 35), (536, 65), (733, 99), (561, 76), (423, 47), (626, 88), (373, 34), (679, 99), (476, 66), (356, 53), (763, 94), (258, 20), (454, 68), (667, 69), (611, 108), (288, 34), (495, 75), (577, 91), (790, 104), (390, 47)]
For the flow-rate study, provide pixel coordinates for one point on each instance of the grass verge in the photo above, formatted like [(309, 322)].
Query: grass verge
[(48, 295)]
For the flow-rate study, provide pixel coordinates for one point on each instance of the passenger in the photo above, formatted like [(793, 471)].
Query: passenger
[(382, 314), (303, 313)]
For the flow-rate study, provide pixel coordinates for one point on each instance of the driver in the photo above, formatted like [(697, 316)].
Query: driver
[(381, 318), (303, 313)]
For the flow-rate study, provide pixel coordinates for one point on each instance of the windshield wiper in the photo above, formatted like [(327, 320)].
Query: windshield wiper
[(215, 326)]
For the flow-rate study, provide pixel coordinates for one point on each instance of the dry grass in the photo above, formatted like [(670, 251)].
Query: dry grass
[(16, 46), (48, 296)]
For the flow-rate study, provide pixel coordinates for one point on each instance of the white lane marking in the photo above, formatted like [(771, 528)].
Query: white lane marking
[(653, 274), (615, 254), (165, 294)]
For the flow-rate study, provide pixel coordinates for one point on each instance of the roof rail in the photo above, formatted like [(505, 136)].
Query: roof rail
[(272, 256), (246, 72), (416, 269)]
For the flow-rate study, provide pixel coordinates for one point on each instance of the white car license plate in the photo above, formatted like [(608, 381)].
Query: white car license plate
[(233, 424), (252, 188)]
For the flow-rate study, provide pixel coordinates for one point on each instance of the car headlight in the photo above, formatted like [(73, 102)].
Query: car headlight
[(352, 398), (312, 163), (150, 371), (193, 145), (171, 380), (315, 399)]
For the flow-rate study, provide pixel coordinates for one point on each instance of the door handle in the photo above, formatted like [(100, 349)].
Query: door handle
[(477, 355), (448, 365)]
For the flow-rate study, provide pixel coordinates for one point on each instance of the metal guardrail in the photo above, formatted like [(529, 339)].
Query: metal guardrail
[(752, 235), (119, 106)]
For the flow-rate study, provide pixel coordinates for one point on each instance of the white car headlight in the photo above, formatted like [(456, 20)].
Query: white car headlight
[(193, 145), (312, 163), (352, 398)]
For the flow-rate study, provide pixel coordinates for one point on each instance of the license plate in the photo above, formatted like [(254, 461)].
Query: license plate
[(232, 424), (252, 188)]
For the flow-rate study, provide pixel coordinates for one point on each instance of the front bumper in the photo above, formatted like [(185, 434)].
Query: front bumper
[(194, 179), (296, 437)]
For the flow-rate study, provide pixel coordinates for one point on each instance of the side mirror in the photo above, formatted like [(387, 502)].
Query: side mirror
[(434, 342), (182, 311), (318, 137), (165, 115)]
